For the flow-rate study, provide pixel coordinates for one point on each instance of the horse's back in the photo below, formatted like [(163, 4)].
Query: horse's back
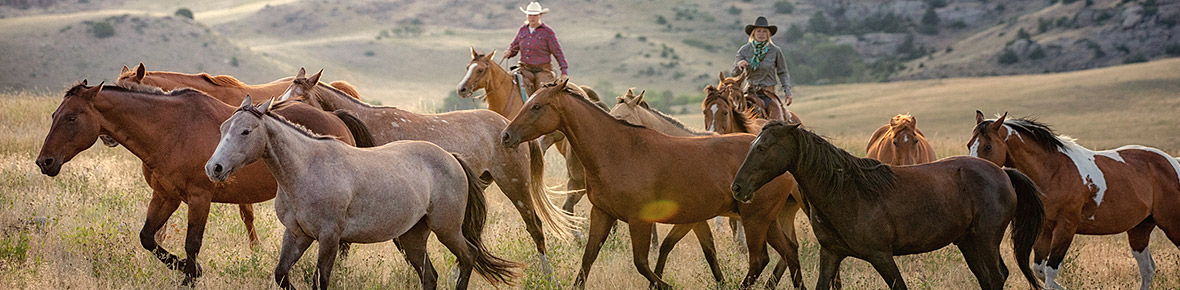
[(317, 121)]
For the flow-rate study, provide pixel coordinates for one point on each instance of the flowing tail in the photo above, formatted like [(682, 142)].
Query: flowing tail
[(1030, 213), (560, 222), (359, 131), (495, 269)]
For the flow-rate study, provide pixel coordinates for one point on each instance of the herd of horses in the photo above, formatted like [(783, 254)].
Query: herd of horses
[(342, 171)]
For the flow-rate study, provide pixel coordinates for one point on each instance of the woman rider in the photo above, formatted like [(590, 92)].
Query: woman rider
[(764, 60)]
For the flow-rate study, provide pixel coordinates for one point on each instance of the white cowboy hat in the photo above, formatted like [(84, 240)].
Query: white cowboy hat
[(534, 9)]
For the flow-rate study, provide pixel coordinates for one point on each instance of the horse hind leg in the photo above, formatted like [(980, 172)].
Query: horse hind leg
[(788, 251), (247, 213), (983, 258), (518, 192), (673, 237), (639, 250), (413, 244), (158, 211), (1139, 236)]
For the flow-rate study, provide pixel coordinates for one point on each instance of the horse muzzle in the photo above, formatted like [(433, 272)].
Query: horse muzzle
[(49, 166), (508, 141), (742, 194), (216, 172)]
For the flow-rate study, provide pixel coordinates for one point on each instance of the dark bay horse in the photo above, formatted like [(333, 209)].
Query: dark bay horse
[(1130, 189), (172, 134), (503, 97), (518, 171), (900, 143), (640, 176), (332, 192), (872, 211)]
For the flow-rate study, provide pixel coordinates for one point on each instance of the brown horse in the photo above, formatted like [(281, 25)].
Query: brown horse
[(223, 87), (723, 117), (872, 211), (900, 143), (504, 98), (640, 176), (1130, 189), (147, 124), (752, 99), (518, 171)]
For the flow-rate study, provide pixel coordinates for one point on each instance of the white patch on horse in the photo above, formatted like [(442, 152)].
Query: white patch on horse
[(974, 151), (1146, 266), (1084, 160), (905, 138), (470, 69), (445, 121), (712, 127), (395, 125), (1051, 277), (1012, 132), (519, 204)]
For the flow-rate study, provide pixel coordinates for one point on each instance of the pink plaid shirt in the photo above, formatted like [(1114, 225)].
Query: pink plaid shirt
[(537, 46)]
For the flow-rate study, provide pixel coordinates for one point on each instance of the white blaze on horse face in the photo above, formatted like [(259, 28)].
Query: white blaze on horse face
[(1146, 266), (713, 123), (470, 69), (974, 151)]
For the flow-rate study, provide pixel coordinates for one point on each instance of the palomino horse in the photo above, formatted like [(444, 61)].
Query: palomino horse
[(872, 211), (900, 143), (633, 109), (641, 177), (503, 97), (518, 171), (1131, 189), (173, 134), (225, 88), (333, 193)]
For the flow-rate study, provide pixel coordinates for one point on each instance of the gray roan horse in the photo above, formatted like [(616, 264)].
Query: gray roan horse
[(872, 211), (331, 192), (518, 171)]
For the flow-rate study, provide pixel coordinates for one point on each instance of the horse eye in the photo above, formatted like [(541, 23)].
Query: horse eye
[(245, 132), (536, 107), (988, 147), (71, 118)]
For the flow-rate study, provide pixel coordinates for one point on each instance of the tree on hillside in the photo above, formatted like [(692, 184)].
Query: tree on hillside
[(820, 24), (794, 33), (184, 12), (929, 21)]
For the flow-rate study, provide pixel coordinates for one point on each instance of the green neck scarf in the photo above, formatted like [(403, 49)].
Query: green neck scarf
[(760, 49)]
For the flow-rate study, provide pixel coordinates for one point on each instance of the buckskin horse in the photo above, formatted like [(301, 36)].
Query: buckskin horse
[(504, 97), (518, 171), (1130, 189), (900, 143), (173, 134), (640, 176), (872, 211), (334, 193)]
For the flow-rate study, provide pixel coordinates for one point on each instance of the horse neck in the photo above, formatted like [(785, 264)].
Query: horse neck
[(288, 152), (146, 124), (334, 100), (175, 80), (503, 95), (656, 122), (1030, 158), (592, 133)]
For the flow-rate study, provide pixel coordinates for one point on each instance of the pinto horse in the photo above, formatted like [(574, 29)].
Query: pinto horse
[(641, 177), (503, 97), (872, 211), (332, 192), (173, 134), (518, 171), (900, 143), (1130, 189)]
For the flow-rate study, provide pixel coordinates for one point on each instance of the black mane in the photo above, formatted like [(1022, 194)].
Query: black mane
[(835, 168), (1041, 133)]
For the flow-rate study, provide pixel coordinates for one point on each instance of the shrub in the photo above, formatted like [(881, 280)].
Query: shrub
[(784, 7), (1173, 49), (1135, 58), (1037, 53), (1008, 57), (661, 20), (1023, 34), (102, 29), (733, 10), (184, 12), (819, 23)]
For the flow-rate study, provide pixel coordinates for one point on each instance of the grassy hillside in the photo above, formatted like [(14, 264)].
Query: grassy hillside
[(79, 230)]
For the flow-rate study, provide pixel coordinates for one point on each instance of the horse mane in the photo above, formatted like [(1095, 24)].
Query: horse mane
[(352, 98), (146, 89), (743, 118), (674, 121), (223, 80), (298, 128), (1039, 132), (590, 103), (835, 168)]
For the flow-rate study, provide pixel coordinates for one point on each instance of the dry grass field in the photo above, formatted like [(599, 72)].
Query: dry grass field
[(79, 230)]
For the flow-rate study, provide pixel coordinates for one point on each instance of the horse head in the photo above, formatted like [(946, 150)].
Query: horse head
[(770, 154), (476, 73), (731, 88), (242, 141), (540, 115), (76, 125), (904, 131), (302, 87), (987, 141), (628, 106)]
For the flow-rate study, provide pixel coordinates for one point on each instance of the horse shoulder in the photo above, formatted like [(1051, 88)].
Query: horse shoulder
[(875, 140)]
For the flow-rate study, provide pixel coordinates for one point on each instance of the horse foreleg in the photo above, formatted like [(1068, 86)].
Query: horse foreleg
[(329, 242), (198, 215), (247, 212), (600, 227), (413, 243), (1139, 236), (829, 266), (887, 268), (739, 234), (639, 249), (673, 237), (788, 251), (705, 237), (158, 211), (294, 245), (1063, 234), (756, 232)]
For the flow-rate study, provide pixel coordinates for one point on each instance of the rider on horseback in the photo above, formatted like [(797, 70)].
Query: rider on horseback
[(764, 61)]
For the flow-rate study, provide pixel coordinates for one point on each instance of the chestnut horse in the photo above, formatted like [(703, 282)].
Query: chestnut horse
[(1130, 189), (332, 192), (900, 143), (872, 211), (750, 99), (173, 134), (518, 171), (503, 97), (641, 177), (223, 87)]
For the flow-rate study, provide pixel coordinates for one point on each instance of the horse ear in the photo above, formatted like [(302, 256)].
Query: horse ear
[(246, 102), (84, 82), (563, 82), (894, 121), (978, 117), (913, 121), (742, 77), (265, 106), (315, 79), (490, 55), (995, 126), (474, 55), (125, 69), (301, 74), (720, 77), (620, 99), (639, 98), (140, 71), (709, 89), (92, 91)]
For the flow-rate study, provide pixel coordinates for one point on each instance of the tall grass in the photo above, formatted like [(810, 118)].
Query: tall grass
[(80, 230)]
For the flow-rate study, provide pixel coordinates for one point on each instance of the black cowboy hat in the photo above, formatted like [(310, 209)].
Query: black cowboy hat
[(761, 22)]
